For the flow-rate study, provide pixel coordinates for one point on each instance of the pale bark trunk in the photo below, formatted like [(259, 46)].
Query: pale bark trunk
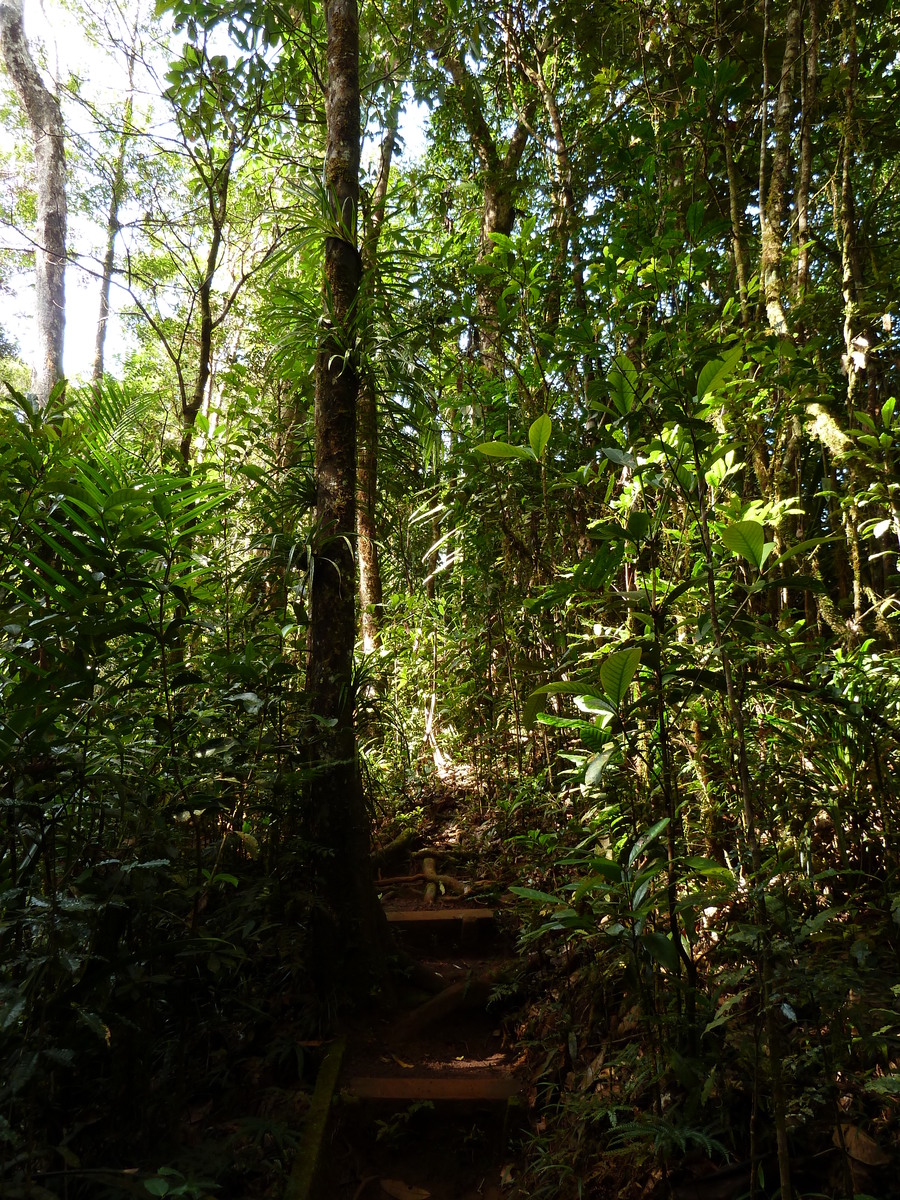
[(116, 194), (45, 121)]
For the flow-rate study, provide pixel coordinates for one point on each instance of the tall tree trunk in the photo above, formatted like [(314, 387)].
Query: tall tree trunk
[(116, 194), (45, 122), (349, 939), (217, 195), (737, 207), (855, 340), (370, 592), (773, 203), (808, 96)]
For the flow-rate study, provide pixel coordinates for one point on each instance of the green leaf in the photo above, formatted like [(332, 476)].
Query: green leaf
[(539, 434), (617, 673), (534, 704), (802, 548), (620, 457), (648, 836), (504, 450), (638, 525), (663, 949), (748, 539), (597, 765), (534, 894), (622, 381), (725, 1010), (710, 868), (717, 372), (607, 867), (886, 1085)]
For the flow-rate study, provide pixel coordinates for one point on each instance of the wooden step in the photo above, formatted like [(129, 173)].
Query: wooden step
[(438, 916), (493, 1088)]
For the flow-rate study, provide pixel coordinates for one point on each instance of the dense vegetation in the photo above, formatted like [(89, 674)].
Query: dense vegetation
[(628, 524)]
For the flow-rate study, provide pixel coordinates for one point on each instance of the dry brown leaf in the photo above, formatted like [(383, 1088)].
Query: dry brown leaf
[(399, 1190), (860, 1146)]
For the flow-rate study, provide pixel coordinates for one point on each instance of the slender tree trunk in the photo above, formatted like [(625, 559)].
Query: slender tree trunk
[(855, 341), (809, 95), (773, 204), (370, 591), (737, 205), (217, 192), (117, 192), (349, 939), (565, 218), (45, 122)]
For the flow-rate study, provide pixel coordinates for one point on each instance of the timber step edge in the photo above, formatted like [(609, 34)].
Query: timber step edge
[(438, 916), (500, 1087)]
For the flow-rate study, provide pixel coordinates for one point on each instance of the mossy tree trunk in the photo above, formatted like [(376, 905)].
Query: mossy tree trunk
[(349, 934)]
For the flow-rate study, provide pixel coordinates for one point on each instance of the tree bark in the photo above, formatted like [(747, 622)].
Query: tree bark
[(808, 93), (349, 937), (773, 205), (117, 191), (217, 195), (45, 120)]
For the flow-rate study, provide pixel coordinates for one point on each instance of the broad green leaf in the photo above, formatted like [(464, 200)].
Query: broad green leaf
[(504, 450), (748, 539), (533, 894), (725, 1011), (607, 867), (617, 673), (638, 525), (606, 532), (648, 836), (885, 1085), (803, 547), (710, 868), (887, 411), (596, 767), (663, 949), (539, 434), (622, 381), (534, 703), (620, 457), (717, 372)]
